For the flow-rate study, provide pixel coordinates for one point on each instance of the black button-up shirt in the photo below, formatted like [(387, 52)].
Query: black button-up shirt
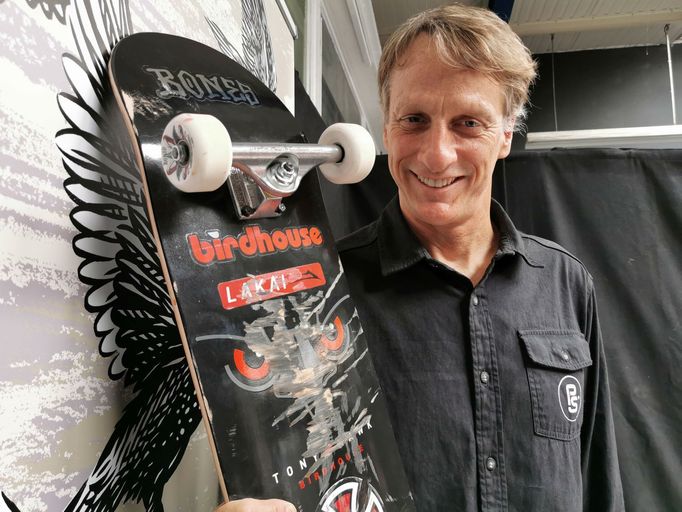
[(498, 393)]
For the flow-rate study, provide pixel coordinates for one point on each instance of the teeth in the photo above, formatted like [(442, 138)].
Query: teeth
[(436, 183)]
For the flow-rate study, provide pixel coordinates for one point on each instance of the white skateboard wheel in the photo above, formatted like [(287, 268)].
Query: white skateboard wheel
[(196, 151), (358, 153)]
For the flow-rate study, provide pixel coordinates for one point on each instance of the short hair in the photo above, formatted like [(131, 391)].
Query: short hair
[(466, 37)]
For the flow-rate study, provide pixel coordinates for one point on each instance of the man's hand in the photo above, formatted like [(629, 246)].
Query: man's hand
[(251, 505)]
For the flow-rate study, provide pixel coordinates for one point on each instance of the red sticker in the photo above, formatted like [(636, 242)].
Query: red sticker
[(253, 289)]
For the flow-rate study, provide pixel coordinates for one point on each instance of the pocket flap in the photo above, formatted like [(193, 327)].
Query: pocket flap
[(565, 350)]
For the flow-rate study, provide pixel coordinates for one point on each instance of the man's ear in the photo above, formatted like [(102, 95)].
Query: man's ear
[(507, 135)]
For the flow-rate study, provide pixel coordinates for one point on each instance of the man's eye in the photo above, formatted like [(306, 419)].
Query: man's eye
[(411, 119), (470, 123)]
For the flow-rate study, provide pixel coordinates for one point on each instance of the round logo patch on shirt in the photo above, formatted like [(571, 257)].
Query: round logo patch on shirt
[(570, 397)]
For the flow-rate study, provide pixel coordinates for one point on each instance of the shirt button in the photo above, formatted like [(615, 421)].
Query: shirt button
[(564, 355), (485, 377), (490, 464), (474, 300)]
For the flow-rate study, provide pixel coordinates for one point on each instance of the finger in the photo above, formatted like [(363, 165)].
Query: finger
[(251, 505)]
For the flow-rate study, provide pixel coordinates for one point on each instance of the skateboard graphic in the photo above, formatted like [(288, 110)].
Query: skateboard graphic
[(279, 361)]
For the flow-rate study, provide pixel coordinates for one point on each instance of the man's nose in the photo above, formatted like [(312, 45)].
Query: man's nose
[(439, 150)]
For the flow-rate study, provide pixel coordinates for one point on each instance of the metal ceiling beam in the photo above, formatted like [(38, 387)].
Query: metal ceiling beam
[(596, 23), (503, 8)]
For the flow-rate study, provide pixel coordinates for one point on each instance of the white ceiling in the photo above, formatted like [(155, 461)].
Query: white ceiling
[(577, 24)]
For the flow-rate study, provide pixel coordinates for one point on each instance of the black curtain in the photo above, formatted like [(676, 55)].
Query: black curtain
[(620, 212)]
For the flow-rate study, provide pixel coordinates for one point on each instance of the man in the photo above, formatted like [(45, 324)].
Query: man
[(486, 340)]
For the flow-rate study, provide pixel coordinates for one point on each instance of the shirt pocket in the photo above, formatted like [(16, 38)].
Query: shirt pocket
[(555, 366)]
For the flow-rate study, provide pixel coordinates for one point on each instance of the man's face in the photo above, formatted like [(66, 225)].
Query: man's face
[(444, 132)]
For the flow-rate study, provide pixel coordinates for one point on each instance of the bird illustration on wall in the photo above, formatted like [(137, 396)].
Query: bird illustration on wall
[(133, 318)]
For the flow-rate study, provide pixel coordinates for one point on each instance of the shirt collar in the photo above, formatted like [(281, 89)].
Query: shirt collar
[(399, 248), (511, 241)]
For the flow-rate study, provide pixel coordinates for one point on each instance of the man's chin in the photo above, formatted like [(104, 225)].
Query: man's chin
[(435, 217)]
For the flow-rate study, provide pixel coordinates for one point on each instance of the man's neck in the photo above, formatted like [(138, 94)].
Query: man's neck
[(468, 248)]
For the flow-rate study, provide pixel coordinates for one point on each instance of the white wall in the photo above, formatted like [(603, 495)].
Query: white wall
[(357, 45)]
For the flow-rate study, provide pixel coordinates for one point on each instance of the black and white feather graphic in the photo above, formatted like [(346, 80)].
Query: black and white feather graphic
[(126, 289), (127, 293), (257, 54)]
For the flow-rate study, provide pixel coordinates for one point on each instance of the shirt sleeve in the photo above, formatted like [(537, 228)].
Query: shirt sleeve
[(602, 488)]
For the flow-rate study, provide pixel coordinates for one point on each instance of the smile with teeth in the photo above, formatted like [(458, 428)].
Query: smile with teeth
[(436, 183)]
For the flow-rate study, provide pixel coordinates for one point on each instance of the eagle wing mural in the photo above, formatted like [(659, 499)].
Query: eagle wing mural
[(120, 266), (123, 290), (127, 294)]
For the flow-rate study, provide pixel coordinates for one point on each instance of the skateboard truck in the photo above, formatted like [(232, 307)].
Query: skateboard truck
[(263, 174), (199, 156)]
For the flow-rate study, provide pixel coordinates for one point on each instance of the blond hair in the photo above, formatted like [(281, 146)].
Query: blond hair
[(466, 38)]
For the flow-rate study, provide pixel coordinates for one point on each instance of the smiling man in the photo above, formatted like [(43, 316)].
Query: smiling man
[(486, 340), (445, 129)]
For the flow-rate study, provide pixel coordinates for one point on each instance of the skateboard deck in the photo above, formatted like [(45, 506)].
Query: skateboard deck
[(276, 351)]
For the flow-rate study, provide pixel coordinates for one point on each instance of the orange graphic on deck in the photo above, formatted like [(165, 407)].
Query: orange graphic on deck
[(251, 242)]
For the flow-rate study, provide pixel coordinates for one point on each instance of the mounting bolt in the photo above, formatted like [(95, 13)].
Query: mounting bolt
[(281, 208), (247, 211)]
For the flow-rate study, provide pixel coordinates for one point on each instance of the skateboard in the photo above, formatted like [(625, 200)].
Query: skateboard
[(276, 351)]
